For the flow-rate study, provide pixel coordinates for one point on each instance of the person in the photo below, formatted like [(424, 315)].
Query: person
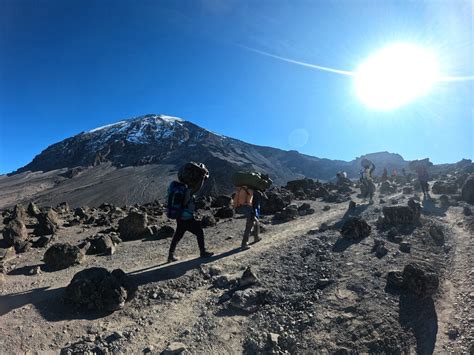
[(385, 174), (367, 184), (253, 215), (187, 223), (423, 178)]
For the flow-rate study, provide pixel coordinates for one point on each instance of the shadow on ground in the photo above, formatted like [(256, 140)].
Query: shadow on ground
[(171, 271), (52, 306), (419, 315)]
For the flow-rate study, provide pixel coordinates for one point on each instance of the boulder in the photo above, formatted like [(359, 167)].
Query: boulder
[(467, 191), (101, 244), (165, 232), (33, 210), (174, 348), (208, 221), (222, 201), (407, 190), (444, 200), (286, 214), (48, 223), (436, 232), (388, 188), (81, 213), (100, 290), (394, 215), (14, 232), (467, 211), (62, 255), (248, 278), (444, 187), (277, 199), (379, 248), (355, 228), (248, 300), (224, 212), (203, 202), (63, 207), (133, 226), (421, 279), (19, 213), (405, 247)]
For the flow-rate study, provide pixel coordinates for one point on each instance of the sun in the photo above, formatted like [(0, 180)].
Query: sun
[(395, 76)]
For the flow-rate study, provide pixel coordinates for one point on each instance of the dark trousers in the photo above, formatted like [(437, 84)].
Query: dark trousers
[(425, 188), (189, 225)]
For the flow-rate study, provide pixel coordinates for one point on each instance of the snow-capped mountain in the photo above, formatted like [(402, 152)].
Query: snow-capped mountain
[(133, 161)]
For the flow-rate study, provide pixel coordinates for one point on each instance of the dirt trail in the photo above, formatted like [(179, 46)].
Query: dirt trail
[(456, 306)]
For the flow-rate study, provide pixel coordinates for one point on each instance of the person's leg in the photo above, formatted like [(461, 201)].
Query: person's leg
[(196, 229), (256, 230), (178, 234), (248, 229)]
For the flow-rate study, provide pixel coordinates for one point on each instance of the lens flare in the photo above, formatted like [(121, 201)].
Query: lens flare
[(396, 75)]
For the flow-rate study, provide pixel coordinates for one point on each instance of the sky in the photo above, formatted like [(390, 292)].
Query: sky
[(71, 66)]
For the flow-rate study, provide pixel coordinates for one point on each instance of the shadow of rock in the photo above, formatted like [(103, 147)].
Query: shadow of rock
[(419, 315), (49, 303), (343, 243), (430, 208), (26, 270)]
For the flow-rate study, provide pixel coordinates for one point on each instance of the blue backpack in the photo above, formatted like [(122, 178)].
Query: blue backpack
[(176, 195)]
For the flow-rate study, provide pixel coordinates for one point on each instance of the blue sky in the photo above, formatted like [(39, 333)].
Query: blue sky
[(70, 66)]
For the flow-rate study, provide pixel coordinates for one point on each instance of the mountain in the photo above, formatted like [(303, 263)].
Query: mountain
[(132, 161)]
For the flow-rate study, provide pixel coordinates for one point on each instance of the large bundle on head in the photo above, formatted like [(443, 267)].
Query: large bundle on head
[(366, 163), (192, 173), (253, 180), (422, 163)]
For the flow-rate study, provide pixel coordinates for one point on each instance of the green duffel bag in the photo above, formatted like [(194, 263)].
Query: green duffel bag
[(253, 180), (192, 173)]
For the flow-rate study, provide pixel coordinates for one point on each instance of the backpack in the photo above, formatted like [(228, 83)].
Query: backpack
[(176, 195), (243, 197)]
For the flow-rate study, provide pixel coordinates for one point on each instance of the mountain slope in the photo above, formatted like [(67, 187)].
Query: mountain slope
[(133, 161)]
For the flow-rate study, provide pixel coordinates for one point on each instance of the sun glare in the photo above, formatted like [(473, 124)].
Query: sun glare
[(395, 76)]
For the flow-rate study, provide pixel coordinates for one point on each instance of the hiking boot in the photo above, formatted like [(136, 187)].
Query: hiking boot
[(206, 254), (257, 239), (245, 246), (172, 258)]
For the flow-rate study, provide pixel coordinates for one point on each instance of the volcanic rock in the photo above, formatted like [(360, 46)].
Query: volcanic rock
[(133, 226), (467, 192), (100, 290), (33, 210), (19, 213), (248, 278), (224, 212), (277, 199), (395, 279), (248, 300), (286, 214), (174, 349), (208, 221), (401, 215), (444, 187), (222, 201), (388, 188), (101, 244), (165, 232), (355, 228), (14, 231), (48, 223), (436, 232), (421, 279), (62, 255)]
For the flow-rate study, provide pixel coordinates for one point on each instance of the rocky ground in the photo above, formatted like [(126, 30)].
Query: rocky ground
[(332, 274)]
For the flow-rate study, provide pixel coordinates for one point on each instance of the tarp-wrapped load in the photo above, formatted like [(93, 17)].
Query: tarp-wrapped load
[(366, 163), (192, 173), (422, 163), (253, 180)]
